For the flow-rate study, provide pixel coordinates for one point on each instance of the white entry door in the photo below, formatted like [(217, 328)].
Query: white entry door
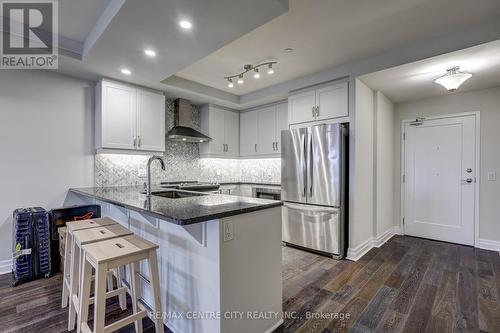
[(439, 179)]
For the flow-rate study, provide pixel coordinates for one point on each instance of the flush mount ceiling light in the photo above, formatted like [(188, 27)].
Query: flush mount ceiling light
[(453, 79), (150, 53), (126, 71), (185, 24), (248, 68)]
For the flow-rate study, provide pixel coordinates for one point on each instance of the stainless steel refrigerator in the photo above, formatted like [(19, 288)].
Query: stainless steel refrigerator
[(313, 187)]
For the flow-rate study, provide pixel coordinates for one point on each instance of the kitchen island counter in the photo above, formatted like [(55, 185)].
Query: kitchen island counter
[(182, 211), (219, 255)]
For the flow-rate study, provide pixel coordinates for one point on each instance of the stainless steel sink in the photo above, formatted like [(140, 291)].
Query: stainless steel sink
[(176, 194)]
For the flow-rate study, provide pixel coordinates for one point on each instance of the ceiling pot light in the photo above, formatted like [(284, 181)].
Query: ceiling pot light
[(288, 50), (453, 79), (240, 79), (256, 75), (230, 84), (185, 24), (150, 53), (126, 71), (270, 70)]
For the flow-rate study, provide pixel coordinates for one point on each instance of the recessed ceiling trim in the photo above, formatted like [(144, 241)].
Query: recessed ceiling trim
[(102, 23)]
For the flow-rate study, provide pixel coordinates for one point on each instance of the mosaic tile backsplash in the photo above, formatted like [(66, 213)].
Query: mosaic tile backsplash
[(183, 162)]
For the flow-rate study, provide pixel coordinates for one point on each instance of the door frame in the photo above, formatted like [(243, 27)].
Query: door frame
[(477, 159)]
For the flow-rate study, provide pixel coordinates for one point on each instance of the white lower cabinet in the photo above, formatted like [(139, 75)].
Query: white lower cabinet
[(260, 131)]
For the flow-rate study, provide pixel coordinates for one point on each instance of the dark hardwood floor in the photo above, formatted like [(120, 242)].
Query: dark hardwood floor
[(407, 285)]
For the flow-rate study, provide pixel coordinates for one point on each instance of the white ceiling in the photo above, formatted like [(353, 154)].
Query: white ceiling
[(416, 80), (77, 17), (327, 33), (137, 25)]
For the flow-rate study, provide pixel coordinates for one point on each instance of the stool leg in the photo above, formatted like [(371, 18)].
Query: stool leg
[(100, 297), (110, 282), (154, 278), (64, 299), (84, 293), (123, 297), (136, 293), (73, 284)]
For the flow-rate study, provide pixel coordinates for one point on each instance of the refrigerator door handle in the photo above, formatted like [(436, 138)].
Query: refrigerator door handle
[(310, 163), (304, 167)]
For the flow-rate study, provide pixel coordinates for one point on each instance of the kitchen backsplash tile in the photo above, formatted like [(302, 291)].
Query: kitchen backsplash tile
[(183, 162)]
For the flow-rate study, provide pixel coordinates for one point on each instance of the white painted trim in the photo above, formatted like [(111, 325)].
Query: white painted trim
[(489, 244), (477, 120), (356, 253), (6, 266)]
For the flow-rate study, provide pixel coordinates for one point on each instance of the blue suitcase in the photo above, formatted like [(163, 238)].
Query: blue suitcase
[(32, 244)]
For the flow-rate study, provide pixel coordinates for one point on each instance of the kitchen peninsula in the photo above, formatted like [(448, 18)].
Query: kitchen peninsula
[(213, 252)]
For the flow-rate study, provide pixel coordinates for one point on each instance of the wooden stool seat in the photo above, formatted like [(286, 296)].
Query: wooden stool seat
[(112, 253), (87, 236), (71, 227)]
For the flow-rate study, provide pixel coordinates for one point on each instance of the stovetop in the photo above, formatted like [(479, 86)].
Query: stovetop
[(192, 185)]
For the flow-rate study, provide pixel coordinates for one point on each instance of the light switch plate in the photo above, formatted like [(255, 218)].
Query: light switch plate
[(492, 176), (228, 230)]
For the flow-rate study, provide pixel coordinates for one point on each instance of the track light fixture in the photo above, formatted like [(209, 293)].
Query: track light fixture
[(247, 68)]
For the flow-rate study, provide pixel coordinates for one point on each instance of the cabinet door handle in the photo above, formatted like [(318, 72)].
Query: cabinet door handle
[(227, 147), (317, 111), (139, 143), (255, 147), (135, 142), (314, 111)]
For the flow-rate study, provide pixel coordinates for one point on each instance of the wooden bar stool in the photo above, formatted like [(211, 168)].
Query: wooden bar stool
[(71, 227), (109, 254), (88, 236)]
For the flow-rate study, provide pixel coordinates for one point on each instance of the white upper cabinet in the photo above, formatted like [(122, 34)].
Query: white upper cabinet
[(129, 118), (281, 123), (151, 118), (223, 126), (325, 102), (249, 137), (267, 131), (260, 133), (117, 116), (301, 107)]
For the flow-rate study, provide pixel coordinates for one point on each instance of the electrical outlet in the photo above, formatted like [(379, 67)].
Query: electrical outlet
[(492, 176), (228, 231)]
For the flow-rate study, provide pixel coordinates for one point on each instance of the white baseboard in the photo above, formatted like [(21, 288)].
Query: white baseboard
[(5, 266), (489, 244), (356, 253)]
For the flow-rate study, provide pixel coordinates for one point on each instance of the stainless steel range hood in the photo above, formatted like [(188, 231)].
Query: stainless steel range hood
[(182, 131)]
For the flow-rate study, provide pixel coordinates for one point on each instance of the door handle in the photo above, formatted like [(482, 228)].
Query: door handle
[(227, 147), (317, 111), (314, 111), (255, 147), (135, 142), (139, 143), (467, 181)]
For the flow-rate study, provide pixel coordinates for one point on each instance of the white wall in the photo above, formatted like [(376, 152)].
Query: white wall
[(361, 221), (384, 164), (46, 128), (488, 103)]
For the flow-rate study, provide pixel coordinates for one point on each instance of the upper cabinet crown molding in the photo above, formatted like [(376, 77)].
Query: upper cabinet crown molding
[(129, 118), (223, 126), (323, 102)]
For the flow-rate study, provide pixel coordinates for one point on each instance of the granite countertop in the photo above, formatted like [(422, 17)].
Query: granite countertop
[(181, 211)]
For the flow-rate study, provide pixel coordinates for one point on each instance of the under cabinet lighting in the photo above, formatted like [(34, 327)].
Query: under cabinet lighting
[(126, 71), (256, 75)]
